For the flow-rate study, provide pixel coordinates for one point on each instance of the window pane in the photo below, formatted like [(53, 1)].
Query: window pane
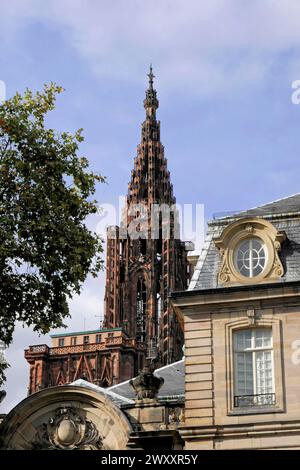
[(242, 340), (245, 271), (257, 270), (98, 338), (244, 374), (264, 372), (263, 338)]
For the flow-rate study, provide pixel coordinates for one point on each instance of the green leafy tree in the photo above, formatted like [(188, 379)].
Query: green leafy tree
[(46, 194)]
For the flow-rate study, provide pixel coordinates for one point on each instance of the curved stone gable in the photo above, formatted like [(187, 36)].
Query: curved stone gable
[(66, 418)]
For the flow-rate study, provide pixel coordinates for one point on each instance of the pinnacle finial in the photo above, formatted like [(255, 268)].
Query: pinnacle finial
[(151, 76), (151, 102)]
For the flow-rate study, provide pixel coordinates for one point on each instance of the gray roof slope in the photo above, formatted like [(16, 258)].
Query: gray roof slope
[(287, 205), (123, 393), (173, 375), (115, 398), (284, 214)]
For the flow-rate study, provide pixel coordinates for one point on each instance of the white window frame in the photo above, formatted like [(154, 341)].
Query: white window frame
[(253, 351), (240, 323)]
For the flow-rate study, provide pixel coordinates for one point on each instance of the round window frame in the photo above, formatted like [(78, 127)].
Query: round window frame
[(237, 248), (242, 236)]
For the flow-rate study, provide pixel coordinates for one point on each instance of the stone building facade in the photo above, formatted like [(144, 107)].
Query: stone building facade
[(102, 357), (241, 321)]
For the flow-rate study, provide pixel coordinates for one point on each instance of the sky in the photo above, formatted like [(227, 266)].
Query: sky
[(224, 73)]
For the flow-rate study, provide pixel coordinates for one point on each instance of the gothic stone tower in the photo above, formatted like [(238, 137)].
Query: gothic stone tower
[(145, 266), (142, 269)]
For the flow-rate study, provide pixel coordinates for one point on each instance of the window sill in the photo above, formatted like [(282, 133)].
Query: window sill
[(255, 410)]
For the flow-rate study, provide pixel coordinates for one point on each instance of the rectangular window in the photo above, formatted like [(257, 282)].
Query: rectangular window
[(253, 364), (73, 341), (61, 342), (98, 338), (86, 340)]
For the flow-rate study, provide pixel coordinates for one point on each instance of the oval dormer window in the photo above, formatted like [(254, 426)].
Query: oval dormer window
[(250, 257)]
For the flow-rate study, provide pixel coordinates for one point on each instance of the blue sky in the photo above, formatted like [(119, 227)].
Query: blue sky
[(223, 70)]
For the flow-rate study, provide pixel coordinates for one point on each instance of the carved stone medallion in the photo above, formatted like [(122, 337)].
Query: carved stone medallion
[(67, 430)]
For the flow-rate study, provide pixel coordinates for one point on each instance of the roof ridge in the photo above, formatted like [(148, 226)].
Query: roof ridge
[(261, 206), (105, 391)]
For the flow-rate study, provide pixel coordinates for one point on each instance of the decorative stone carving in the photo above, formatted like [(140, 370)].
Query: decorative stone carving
[(67, 430), (224, 275), (236, 233), (175, 415), (146, 385), (251, 314), (278, 268), (249, 228)]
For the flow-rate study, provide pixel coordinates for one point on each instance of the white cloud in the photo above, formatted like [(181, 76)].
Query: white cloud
[(197, 46)]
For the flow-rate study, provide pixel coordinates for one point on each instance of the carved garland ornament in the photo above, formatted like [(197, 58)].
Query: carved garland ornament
[(67, 430), (240, 231)]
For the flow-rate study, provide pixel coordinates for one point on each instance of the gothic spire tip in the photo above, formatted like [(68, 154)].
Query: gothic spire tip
[(151, 76)]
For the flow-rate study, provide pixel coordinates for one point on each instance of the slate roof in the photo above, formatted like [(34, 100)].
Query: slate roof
[(284, 214), (287, 205), (173, 387), (123, 394), (115, 398)]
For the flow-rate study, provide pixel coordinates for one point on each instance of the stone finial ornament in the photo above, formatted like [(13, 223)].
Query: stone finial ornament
[(251, 314), (146, 385)]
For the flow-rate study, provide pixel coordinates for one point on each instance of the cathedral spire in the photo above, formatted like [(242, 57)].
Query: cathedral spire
[(151, 102)]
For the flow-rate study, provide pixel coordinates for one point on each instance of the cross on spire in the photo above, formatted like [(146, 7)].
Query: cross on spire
[(151, 102), (151, 77)]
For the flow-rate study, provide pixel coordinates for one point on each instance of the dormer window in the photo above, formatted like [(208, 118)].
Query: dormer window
[(249, 250)]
